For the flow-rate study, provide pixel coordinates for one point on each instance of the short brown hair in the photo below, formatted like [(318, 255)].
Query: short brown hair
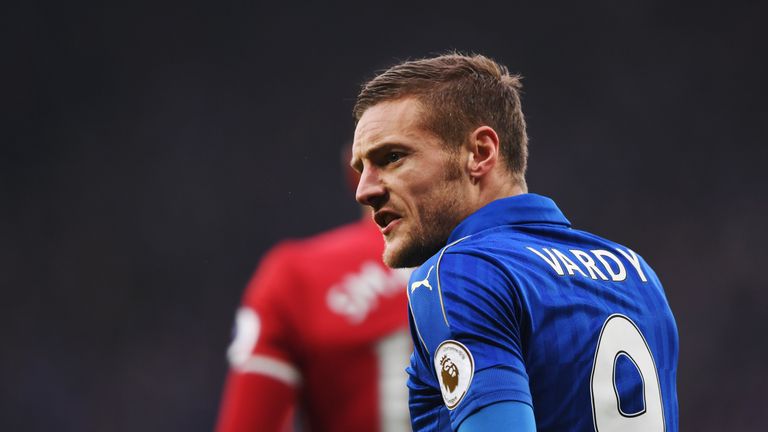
[(459, 93)]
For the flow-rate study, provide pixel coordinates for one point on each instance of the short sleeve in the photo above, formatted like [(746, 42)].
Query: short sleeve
[(428, 414), (468, 325)]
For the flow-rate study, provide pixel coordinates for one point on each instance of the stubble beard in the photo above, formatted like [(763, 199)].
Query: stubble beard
[(440, 212)]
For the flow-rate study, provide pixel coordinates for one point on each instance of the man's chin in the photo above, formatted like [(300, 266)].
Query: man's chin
[(404, 256), (393, 254)]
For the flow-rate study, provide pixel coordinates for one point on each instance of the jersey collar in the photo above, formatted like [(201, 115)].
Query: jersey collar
[(516, 210)]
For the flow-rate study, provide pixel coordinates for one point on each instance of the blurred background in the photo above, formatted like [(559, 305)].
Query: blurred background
[(151, 154)]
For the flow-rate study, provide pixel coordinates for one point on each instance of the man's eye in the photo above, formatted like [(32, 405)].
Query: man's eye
[(393, 157)]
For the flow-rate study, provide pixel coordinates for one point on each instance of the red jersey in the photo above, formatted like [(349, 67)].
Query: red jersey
[(323, 325)]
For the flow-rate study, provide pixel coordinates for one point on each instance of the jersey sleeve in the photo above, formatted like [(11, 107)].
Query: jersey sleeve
[(512, 416), (468, 325), (263, 377), (425, 404)]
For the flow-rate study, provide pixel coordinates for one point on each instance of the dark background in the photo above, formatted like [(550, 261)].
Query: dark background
[(151, 154)]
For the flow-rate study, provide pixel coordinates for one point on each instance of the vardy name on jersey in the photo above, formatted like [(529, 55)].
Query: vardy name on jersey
[(613, 270)]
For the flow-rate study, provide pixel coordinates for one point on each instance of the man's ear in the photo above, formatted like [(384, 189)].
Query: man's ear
[(483, 151)]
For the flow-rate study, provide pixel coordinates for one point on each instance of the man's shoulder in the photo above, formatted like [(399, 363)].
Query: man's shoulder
[(502, 236), (510, 246), (428, 271), (439, 281), (472, 254), (501, 248)]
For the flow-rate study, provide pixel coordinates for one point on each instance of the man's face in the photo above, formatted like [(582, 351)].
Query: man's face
[(412, 181)]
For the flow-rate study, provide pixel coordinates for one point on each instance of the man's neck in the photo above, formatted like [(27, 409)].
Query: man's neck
[(497, 187)]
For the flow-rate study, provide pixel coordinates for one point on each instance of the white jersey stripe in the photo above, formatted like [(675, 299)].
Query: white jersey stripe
[(437, 273), (270, 367)]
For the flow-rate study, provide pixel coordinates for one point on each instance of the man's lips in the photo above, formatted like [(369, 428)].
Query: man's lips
[(386, 220), (390, 226)]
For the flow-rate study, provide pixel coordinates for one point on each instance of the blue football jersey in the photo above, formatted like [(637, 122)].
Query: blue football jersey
[(521, 307)]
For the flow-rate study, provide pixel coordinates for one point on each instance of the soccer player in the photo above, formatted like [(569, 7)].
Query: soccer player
[(322, 330), (519, 321)]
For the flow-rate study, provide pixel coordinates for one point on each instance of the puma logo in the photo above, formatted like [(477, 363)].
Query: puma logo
[(424, 282)]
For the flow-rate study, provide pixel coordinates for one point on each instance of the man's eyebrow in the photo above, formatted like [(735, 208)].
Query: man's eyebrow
[(373, 152), (385, 147)]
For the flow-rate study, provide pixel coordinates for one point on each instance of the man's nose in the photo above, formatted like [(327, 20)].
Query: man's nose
[(370, 190)]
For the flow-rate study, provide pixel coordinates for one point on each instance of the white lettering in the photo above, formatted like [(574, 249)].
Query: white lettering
[(589, 263), (552, 261), (614, 267), (622, 272), (358, 293), (569, 265), (635, 261)]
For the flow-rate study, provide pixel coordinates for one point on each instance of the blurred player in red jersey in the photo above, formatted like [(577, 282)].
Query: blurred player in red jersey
[(322, 330)]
